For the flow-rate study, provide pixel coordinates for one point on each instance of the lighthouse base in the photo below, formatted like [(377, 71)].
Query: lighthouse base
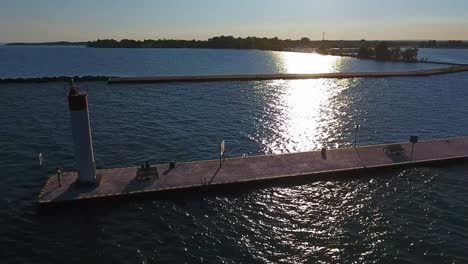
[(88, 183)]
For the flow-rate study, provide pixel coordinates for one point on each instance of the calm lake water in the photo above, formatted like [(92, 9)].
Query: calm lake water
[(33, 61), (403, 216)]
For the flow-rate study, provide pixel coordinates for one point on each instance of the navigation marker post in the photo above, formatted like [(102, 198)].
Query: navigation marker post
[(221, 153), (41, 159)]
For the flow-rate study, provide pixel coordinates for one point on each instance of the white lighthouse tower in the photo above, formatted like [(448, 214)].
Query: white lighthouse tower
[(83, 144)]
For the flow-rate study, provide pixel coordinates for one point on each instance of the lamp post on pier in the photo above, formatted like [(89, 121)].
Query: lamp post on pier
[(355, 135)]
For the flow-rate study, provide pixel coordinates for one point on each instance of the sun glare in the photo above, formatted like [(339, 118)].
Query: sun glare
[(304, 108), (295, 62)]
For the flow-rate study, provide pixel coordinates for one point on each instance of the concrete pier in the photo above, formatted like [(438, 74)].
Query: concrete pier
[(285, 76), (123, 182)]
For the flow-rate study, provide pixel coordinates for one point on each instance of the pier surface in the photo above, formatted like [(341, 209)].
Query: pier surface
[(286, 76), (122, 182)]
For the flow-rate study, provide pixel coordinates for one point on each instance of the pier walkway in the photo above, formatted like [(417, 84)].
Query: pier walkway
[(121, 182), (286, 76)]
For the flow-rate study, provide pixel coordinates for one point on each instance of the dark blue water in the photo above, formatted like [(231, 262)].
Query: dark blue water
[(445, 55), (33, 61), (403, 216)]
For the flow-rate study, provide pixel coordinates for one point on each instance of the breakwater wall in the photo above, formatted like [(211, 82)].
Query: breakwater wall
[(241, 77), (281, 76), (86, 78)]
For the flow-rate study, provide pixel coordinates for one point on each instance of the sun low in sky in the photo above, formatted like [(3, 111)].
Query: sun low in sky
[(72, 20)]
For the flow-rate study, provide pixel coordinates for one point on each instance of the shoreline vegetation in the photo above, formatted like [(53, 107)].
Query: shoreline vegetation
[(361, 49), (371, 50), (230, 42), (381, 52)]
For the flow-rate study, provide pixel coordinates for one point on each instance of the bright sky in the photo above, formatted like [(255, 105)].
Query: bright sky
[(81, 20)]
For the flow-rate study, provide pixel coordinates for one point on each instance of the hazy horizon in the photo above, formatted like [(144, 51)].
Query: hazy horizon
[(48, 21), (384, 40)]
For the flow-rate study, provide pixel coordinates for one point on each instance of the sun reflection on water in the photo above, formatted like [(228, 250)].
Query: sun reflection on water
[(295, 62), (303, 114)]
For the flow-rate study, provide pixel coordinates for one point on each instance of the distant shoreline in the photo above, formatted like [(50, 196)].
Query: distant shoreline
[(275, 44), (257, 43), (57, 43), (84, 44)]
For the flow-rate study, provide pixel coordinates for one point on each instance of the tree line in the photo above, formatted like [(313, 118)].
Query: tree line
[(230, 42), (381, 52), (221, 42)]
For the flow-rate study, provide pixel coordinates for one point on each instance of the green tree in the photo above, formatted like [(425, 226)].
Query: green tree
[(382, 53), (396, 53), (410, 55), (365, 52)]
